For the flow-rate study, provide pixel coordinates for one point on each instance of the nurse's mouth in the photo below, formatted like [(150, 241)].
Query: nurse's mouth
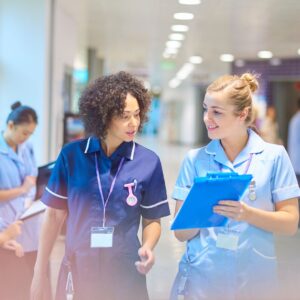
[(131, 133), (212, 127)]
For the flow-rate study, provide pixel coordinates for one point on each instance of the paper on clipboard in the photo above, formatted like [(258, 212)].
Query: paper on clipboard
[(197, 209), (37, 207)]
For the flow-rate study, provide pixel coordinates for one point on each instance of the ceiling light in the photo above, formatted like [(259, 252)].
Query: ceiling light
[(196, 59), (275, 61), (183, 16), (173, 44), (174, 83), (298, 51), (176, 36), (171, 50), (239, 63), (189, 2), (227, 57), (180, 28), (185, 71), (265, 54)]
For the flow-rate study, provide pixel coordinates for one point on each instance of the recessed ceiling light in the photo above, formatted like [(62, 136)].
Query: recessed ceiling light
[(180, 28), (196, 59), (227, 57), (265, 54), (183, 16), (171, 50), (298, 51), (189, 2), (174, 83), (275, 61), (239, 63), (173, 44), (176, 36)]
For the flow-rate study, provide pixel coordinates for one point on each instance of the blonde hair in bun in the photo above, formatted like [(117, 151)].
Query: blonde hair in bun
[(251, 80), (238, 90)]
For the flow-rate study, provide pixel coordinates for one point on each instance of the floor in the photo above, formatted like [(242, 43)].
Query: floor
[(169, 250)]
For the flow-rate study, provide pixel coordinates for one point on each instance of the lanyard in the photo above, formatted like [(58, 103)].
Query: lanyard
[(111, 186), (247, 166)]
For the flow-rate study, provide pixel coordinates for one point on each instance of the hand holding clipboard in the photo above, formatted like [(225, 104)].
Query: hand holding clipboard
[(206, 192)]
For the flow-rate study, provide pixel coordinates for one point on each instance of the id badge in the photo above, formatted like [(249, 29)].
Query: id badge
[(102, 237), (227, 241)]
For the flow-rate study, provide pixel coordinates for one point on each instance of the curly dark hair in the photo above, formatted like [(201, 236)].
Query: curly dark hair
[(105, 98)]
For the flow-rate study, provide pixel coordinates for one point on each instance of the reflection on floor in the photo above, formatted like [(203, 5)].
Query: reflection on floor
[(169, 250)]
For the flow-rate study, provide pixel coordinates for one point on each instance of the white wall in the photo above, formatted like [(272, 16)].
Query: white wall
[(24, 63)]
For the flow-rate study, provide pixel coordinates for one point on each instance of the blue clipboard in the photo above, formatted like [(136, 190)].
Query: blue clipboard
[(197, 209)]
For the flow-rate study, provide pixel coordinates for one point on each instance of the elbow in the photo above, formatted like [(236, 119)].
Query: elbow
[(293, 228), (179, 236)]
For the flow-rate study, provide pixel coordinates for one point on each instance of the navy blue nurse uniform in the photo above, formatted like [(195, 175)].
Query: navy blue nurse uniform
[(105, 273)]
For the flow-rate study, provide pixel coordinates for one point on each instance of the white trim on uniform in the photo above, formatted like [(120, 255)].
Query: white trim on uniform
[(154, 205), (87, 145), (132, 151), (59, 196)]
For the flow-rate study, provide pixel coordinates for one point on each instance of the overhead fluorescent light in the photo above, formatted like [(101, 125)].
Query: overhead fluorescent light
[(183, 16), (265, 54), (180, 28), (174, 83), (176, 36), (173, 44), (227, 57), (185, 71), (189, 2), (196, 59), (171, 50)]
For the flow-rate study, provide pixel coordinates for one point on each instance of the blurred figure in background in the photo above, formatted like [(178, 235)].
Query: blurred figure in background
[(269, 129), (18, 173), (294, 142)]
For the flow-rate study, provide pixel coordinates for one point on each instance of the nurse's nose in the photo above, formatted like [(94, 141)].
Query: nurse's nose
[(133, 121)]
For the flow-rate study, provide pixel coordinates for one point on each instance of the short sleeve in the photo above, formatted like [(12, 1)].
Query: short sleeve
[(56, 192), (284, 181), (185, 178), (154, 202)]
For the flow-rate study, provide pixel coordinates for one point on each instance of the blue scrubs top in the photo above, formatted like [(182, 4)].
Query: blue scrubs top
[(217, 273), (14, 167), (73, 186)]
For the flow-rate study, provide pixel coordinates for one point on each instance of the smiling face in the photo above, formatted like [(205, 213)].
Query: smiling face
[(220, 117), (124, 128)]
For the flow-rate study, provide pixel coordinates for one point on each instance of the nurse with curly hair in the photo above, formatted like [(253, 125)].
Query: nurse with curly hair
[(103, 186)]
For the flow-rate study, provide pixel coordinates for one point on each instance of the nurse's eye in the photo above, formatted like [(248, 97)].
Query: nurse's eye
[(217, 113), (137, 115), (125, 117)]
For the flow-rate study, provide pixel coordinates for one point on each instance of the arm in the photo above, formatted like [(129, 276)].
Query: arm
[(53, 221), (150, 237), (284, 220), (6, 195), (187, 234)]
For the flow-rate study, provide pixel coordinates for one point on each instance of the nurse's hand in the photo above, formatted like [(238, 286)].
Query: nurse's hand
[(14, 246), (236, 210), (13, 230), (146, 262), (28, 183)]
